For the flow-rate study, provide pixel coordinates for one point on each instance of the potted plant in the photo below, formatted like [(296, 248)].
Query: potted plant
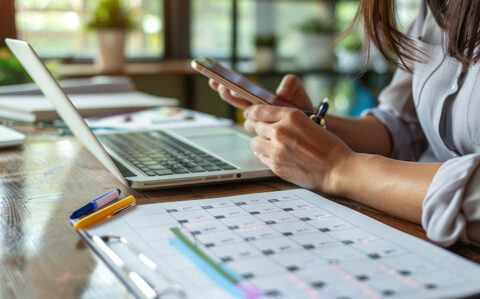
[(265, 45), (111, 19), (11, 71), (314, 46)]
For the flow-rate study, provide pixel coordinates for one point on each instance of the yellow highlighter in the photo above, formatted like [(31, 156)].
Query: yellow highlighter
[(105, 213)]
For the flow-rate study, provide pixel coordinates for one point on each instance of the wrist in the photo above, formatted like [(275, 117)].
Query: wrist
[(340, 178)]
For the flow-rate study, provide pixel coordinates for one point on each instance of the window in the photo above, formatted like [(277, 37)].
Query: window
[(278, 17), (211, 28), (211, 23), (56, 28), (217, 28)]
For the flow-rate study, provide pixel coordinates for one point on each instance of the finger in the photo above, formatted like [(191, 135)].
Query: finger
[(223, 92), (267, 113), (264, 159), (249, 125), (292, 91), (262, 129), (213, 84), (235, 94), (261, 146), (288, 86), (238, 102)]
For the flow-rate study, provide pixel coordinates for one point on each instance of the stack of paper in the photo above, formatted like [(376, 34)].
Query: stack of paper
[(31, 108)]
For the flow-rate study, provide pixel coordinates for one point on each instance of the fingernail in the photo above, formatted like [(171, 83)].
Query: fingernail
[(245, 113), (280, 87), (282, 91)]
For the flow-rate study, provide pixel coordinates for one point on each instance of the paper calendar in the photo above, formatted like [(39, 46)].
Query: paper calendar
[(285, 244)]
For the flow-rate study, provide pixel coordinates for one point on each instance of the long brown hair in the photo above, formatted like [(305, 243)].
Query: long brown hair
[(460, 19)]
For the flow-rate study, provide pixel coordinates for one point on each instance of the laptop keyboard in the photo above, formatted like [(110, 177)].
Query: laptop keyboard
[(157, 154)]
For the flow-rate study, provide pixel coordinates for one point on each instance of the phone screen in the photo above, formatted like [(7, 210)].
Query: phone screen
[(238, 80)]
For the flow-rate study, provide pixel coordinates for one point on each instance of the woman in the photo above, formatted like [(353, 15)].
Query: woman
[(432, 100)]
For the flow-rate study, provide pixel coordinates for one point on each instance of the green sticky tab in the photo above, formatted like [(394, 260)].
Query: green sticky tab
[(176, 231)]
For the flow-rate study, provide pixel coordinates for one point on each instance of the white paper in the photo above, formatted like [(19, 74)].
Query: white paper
[(156, 118)]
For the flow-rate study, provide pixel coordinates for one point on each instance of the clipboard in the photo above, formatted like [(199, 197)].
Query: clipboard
[(135, 283)]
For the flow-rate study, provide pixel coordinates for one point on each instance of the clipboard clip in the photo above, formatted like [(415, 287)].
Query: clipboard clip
[(142, 285)]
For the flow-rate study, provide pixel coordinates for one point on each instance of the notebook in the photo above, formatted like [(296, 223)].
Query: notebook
[(10, 137), (283, 244)]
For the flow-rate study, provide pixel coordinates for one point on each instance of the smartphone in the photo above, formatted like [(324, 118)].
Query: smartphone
[(236, 82)]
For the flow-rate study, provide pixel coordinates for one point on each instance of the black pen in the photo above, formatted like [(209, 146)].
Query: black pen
[(319, 117), (322, 109)]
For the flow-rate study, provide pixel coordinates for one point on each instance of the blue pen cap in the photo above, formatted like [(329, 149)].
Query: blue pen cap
[(86, 209)]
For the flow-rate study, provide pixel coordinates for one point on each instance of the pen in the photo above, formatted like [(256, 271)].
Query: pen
[(319, 117), (96, 204), (105, 213)]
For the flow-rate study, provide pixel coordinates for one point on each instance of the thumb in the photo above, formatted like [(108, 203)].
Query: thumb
[(291, 90), (288, 87)]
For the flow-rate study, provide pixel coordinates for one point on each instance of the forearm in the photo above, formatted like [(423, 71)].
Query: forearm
[(395, 187), (364, 135)]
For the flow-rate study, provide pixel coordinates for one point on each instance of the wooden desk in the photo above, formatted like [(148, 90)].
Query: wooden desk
[(42, 183)]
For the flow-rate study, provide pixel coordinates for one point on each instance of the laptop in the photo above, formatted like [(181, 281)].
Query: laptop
[(152, 159)]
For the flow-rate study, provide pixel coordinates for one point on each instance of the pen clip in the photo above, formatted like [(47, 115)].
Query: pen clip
[(123, 209)]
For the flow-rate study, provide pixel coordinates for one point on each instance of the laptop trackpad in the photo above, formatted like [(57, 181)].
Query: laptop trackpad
[(224, 142)]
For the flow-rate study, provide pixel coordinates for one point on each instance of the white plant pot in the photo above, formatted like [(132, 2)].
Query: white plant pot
[(315, 51), (111, 47), (264, 59)]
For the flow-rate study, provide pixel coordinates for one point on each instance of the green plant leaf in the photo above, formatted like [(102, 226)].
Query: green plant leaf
[(111, 14)]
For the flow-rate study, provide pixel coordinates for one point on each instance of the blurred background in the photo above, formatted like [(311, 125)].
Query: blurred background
[(263, 39)]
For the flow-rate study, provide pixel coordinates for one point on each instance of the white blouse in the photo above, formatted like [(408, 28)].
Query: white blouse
[(439, 106)]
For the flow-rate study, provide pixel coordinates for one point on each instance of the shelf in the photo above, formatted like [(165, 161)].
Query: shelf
[(182, 67), (176, 67)]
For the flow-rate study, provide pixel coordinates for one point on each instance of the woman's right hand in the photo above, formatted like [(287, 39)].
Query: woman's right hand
[(290, 89)]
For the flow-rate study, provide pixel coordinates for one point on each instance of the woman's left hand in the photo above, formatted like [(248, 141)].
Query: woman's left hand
[(295, 148)]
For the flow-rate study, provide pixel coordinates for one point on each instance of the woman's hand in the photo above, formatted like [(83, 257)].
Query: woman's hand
[(290, 90), (295, 148)]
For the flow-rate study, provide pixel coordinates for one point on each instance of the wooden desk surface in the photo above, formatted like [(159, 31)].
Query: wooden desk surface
[(42, 182)]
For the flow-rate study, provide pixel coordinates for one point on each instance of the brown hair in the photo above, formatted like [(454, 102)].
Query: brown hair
[(460, 19)]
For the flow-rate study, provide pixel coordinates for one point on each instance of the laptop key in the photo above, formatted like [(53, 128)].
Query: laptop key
[(213, 160), (163, 172), (226, 166), (195, 169), (157, 167), (212, 168), (159, 158), (150, 173), (179, 170)]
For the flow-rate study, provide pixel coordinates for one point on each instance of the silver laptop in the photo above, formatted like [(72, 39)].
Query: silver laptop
[(152, 159)]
